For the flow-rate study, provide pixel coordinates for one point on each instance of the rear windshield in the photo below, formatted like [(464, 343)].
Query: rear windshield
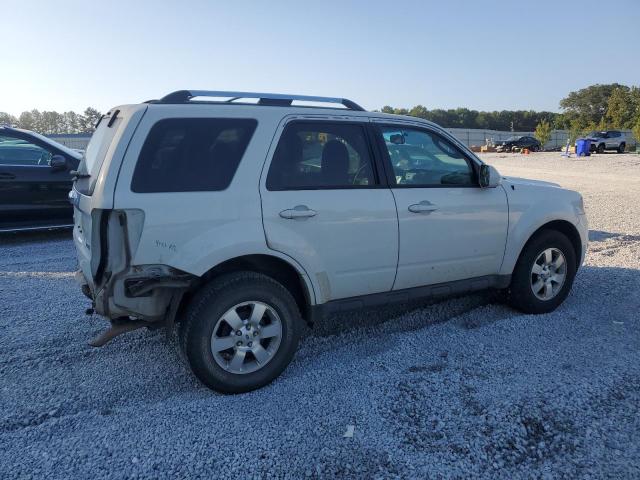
[(191, 154), (98, 146), (95, 154)]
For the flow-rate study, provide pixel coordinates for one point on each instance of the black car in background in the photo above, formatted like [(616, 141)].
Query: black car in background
[(35, 181), (519, 142)]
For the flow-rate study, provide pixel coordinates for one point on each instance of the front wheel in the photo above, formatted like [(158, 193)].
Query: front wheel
[(544, 273), (240, 332), (621, 148), (600, 148)]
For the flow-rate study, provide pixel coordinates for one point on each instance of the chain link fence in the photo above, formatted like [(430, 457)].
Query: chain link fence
[(478, 137)]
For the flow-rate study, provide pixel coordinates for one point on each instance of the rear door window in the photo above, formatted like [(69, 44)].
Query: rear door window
[(191, 154), (322, 155)]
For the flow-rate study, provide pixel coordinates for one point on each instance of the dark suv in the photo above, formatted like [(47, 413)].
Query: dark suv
[(607, 140), (35, 181)]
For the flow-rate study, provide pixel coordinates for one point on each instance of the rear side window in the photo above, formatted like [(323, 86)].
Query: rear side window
[(191, 154), (321, 155)]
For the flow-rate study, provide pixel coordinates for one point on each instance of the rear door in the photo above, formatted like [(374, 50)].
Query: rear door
[(324, 205), (450, 228)]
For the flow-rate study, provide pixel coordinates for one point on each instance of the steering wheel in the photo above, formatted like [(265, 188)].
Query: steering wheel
[(45, 158), (358, 172)]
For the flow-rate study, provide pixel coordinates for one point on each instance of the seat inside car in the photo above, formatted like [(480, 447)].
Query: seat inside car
[(335, 163)]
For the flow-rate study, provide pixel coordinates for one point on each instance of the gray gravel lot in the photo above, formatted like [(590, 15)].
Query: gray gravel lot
[(465, 387)]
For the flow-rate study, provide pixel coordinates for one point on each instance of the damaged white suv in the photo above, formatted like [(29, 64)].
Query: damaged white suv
[(239, 216)]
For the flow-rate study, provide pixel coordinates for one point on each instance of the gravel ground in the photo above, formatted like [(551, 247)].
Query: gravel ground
[(461, 388)]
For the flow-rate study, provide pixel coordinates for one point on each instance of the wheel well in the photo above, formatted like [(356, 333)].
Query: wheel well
[(568, 230), (274, 267)]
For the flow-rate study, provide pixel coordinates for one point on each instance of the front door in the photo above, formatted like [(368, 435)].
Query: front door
[(31, 192), (323, 205), (450, 228)]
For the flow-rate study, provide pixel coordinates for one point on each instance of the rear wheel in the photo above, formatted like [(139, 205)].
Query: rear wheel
[(621, 148), (544, 273), (240, 332), (600, 148)]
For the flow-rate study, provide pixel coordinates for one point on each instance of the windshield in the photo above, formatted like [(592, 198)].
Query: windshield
[(596, 134), (514, 138)]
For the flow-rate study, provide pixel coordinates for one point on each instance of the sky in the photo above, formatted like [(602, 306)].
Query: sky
[(485, 55)]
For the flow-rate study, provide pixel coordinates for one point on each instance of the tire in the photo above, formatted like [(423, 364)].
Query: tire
[(621, 148), (535, 148), (209, 313), (600, 148), (524, 281)]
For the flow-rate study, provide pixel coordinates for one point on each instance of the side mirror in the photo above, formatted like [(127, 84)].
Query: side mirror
[(58, 162), (489, 176)]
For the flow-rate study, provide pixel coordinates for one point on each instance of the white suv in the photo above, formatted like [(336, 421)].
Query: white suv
[(242, 217), (608, 140)]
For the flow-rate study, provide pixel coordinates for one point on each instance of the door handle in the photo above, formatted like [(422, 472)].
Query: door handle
[(7, 176), (424, 206), (299, 211)]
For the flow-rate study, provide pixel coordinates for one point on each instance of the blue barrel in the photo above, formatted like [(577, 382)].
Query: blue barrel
[(582, 147)]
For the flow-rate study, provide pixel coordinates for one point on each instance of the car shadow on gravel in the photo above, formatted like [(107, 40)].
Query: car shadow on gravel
[(485, 308), (432, 311), (600, 236)]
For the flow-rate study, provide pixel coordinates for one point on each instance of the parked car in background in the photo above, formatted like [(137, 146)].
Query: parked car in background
[(35, 180), (239, 221), (607, 140), (518, 142)]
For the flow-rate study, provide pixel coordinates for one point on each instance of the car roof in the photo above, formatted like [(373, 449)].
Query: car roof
[(279, 101)]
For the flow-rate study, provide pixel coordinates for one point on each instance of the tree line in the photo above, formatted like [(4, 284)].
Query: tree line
[(597, 107), (505, 120), (51, 122)]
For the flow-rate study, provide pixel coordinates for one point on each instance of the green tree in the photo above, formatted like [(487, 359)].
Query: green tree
[(577, 130), (36, 121), (7, 119), (543, 132), (52, 122), (589, 105), (620, 109), (636, 133), (419, 111), (88, 120), (72, 122)]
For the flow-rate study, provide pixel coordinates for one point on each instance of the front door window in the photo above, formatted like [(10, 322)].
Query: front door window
[(15, 151)]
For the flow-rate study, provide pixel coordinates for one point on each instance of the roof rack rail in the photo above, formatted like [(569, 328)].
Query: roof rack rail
[(273, 99)]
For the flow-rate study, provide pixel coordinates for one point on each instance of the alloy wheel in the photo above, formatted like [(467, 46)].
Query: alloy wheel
[(246, 337), (548, 274)]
